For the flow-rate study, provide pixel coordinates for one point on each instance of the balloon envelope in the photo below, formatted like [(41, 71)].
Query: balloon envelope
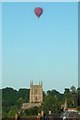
[(38, 11)]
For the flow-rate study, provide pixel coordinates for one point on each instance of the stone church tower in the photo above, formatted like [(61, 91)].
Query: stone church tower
[(36, 93), (36, 96)]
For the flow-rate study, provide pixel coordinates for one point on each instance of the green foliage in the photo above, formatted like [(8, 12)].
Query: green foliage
[(24, 94), (73, 89), (12, 101), (9, 97), (52, 101), (78, 108), (11, 113)]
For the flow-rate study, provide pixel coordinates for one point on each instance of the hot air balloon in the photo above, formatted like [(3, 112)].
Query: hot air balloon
[(38, 11)]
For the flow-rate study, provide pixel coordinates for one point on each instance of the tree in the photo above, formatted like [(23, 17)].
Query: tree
[(19, 102), (73, 89), (11, 113), (73, 96), (78, 97)]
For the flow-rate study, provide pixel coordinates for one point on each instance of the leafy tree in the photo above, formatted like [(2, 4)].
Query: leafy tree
[(11, 113), (73, 89), (78, 97), (24, 94), (19, 102)]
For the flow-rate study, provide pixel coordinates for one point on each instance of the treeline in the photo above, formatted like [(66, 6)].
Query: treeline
[(12, 100), (53, 100)]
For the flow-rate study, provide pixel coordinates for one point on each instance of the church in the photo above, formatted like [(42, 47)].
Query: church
[(36, 96)]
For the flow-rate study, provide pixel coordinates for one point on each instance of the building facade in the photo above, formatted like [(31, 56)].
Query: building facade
[(36, 93)]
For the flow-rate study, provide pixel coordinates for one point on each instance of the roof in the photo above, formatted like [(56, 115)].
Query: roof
[(72, 109)]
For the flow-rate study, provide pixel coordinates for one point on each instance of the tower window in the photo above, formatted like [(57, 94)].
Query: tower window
[(36, 99), (35, 91)]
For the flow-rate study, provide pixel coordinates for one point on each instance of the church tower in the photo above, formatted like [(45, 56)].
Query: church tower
[(36, 93)]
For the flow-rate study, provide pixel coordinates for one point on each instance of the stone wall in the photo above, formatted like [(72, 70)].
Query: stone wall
[(36, 93)]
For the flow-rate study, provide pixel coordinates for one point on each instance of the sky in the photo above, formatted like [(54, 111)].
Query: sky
[(78, 45), (0, 45), (40, 49), (39, 0)]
